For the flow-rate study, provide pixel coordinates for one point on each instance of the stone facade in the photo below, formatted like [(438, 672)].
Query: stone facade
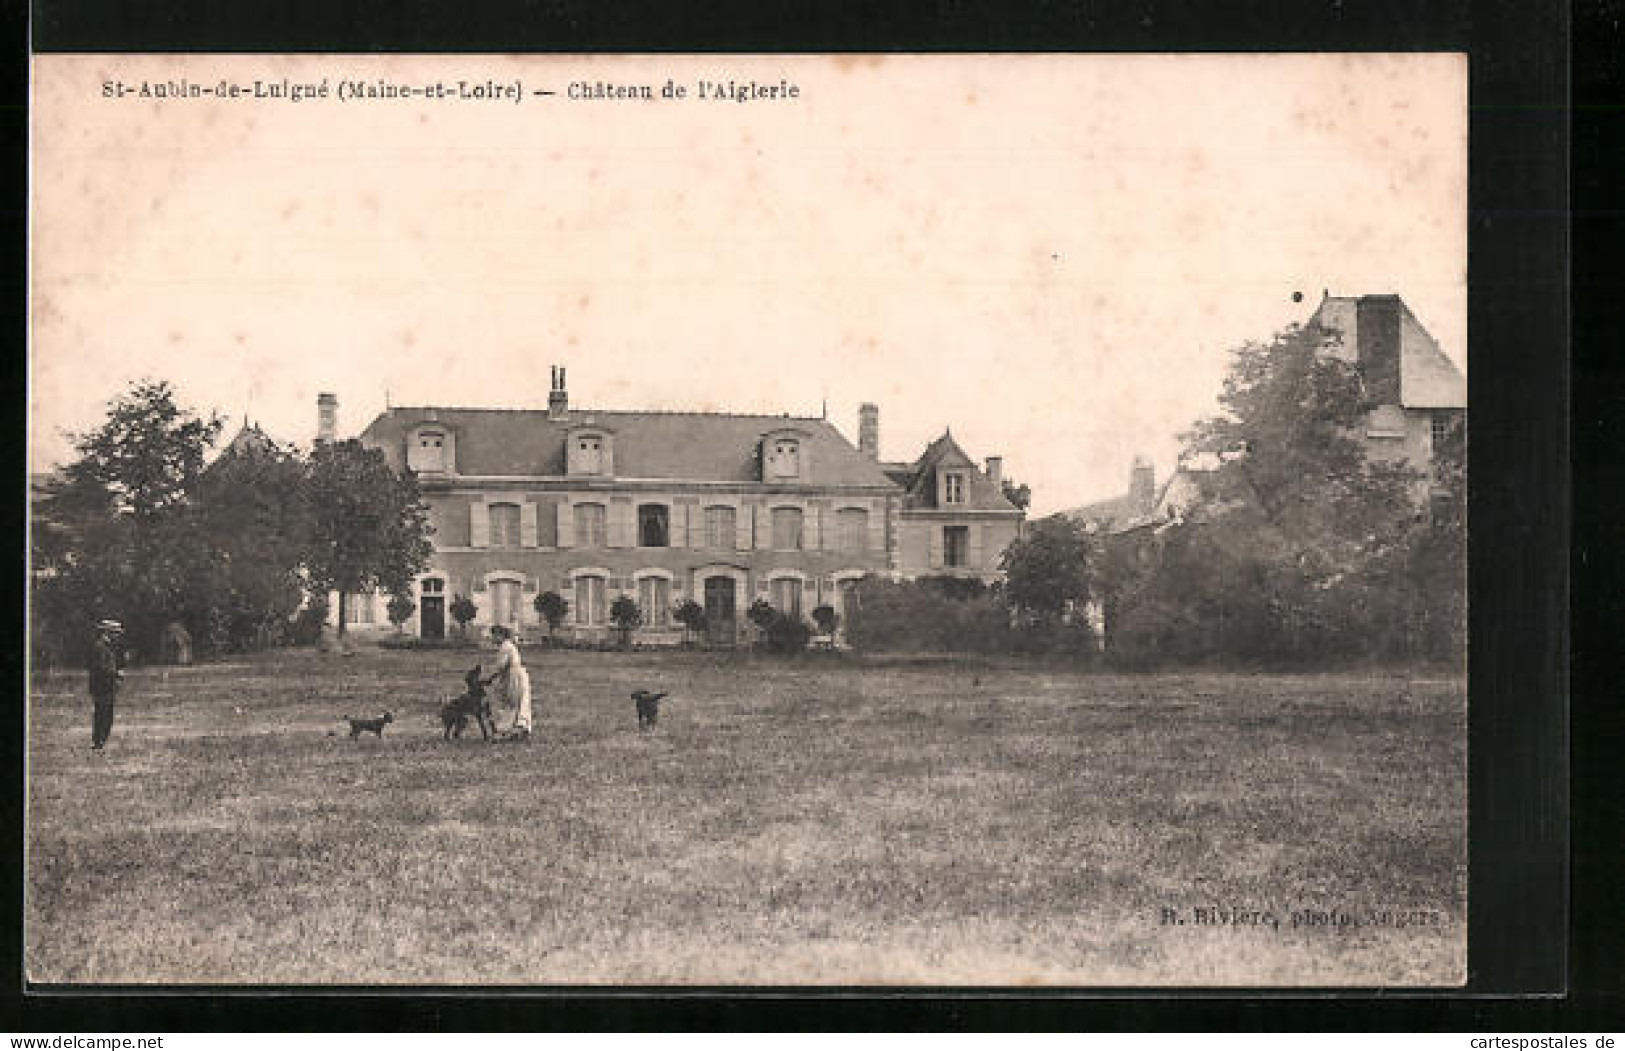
[(661, 507)]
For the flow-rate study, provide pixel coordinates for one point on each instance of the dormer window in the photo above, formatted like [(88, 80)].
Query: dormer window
[(428, 449), (590, 452), (782, 455), (953, 487), (784, 458)]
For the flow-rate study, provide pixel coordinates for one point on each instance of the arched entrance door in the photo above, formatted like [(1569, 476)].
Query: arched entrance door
[(720, 610)]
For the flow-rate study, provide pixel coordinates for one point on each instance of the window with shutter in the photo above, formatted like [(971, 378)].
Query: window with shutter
[(654, 601), (654, 525), (877, 532), (786, 596), (590, 605), (505, 602), (721, 530), (504, 525), (852, 529), (787, 529), (591, 528)]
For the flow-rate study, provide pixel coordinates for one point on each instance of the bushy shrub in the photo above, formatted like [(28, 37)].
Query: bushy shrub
[(957, 588), (400, 609), (827, 619), (920, 616), (552, 608), (463, 610), (691, 615), (786, 634)]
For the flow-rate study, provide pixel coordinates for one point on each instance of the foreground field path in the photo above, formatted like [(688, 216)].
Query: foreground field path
[(818, 821)]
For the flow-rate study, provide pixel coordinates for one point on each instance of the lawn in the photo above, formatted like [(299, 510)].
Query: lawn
[(824, 821)]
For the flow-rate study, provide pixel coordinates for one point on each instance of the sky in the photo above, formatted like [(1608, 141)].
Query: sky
[(1050, 254)]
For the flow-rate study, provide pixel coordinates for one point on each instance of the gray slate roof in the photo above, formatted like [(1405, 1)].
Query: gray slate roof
[(695, 446)]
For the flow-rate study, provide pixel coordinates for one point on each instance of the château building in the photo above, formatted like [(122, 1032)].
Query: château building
[(720, 508)]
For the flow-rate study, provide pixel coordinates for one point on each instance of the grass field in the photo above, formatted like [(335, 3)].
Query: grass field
[(821, 822)]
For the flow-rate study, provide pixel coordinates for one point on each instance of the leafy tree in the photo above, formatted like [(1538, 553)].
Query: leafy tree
[(253, 515), (826, 618), (1291, 413), (1049, 570), (552, 608), (626, 616), (463, 610), (691, 615), (369, 528), (114, 533), (1301, 547), (1017, 493), (400, 609)]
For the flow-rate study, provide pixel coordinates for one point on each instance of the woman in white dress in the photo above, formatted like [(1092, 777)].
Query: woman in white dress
[(513, 679)]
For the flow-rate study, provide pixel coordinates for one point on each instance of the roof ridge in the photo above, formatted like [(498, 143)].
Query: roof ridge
[(612, 412)]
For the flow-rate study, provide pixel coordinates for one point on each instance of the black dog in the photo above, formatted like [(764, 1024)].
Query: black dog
[(454, 714), (361, 726), (648, 707)]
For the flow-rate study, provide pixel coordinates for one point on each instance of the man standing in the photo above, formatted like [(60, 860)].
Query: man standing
[(106, 666)]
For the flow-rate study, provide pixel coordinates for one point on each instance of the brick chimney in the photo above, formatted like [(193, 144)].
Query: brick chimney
[(1142, 483), (558, 401), (869, 430), (995, 470), (1378, 327), (327, 417)]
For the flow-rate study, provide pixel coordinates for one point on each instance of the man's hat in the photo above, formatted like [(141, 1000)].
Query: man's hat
[(109, 625)]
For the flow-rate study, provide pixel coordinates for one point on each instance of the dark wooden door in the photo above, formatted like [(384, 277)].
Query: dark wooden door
[(719, 610), (433, 617)]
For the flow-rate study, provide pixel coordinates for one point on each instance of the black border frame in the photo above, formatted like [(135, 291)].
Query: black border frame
[(1519, 907)]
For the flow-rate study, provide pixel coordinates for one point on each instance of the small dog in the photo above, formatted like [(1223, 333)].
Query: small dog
[(361, 726), (648, 705), (454, 714)]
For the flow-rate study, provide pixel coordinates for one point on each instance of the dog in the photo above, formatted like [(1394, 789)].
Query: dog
[(454, 714), (648, 705), (361, 726)]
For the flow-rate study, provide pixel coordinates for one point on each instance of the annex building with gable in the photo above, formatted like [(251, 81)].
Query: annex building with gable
[(1418, 400)]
